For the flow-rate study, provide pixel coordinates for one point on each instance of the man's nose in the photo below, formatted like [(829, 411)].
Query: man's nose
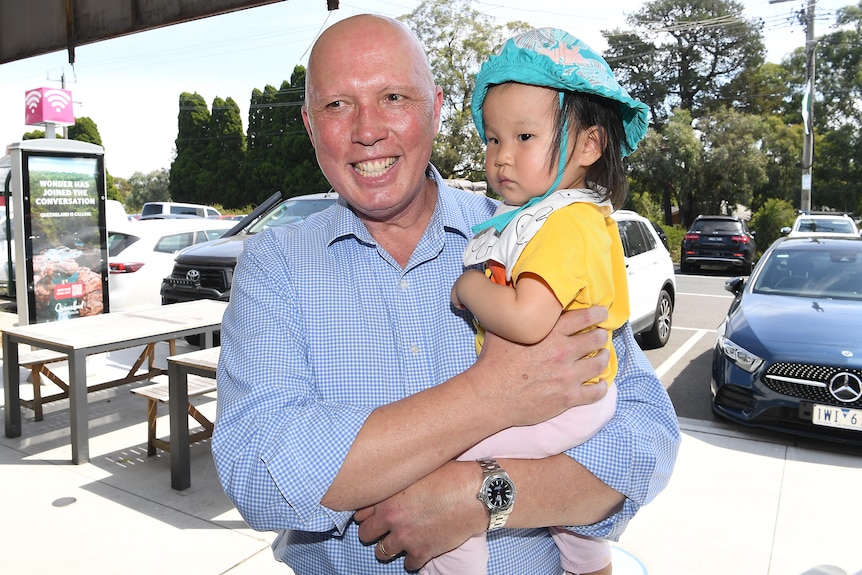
[(370, 126)]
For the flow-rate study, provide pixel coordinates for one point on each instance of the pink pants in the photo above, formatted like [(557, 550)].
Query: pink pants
[(578, 553)]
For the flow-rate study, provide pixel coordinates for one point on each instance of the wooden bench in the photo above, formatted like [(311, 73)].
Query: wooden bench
[(158, 393), (37, 362)]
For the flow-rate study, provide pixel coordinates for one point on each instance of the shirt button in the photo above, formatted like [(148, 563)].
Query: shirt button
[(403, 284), (414, 348)]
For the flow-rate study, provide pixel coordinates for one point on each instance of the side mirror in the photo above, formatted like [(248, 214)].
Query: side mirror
[(734, 285), (785, 230)]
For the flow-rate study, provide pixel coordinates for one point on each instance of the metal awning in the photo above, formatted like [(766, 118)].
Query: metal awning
[(34, 27)]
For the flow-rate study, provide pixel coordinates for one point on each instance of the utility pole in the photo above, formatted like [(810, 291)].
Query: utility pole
[(808, 110), (807, 106)]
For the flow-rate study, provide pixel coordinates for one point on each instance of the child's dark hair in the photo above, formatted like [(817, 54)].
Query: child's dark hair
[(607, 176)]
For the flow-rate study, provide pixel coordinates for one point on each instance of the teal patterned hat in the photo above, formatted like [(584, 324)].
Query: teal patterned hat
[(555, 59)]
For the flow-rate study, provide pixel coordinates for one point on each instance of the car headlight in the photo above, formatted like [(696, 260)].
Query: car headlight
[(740, 356)]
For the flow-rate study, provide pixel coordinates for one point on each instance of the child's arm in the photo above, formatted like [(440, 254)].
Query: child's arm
[(524, 314)]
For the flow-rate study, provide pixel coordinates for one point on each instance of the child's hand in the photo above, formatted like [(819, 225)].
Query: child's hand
[(456, 301)]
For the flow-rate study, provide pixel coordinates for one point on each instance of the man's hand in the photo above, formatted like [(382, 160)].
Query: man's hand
[(429, 518), (528, 384)]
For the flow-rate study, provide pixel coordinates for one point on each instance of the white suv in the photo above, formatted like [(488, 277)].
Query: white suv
[(652, 284), (834, 224)]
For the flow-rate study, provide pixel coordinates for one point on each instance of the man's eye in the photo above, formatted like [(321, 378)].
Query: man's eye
[(394, 97), (335, 104)]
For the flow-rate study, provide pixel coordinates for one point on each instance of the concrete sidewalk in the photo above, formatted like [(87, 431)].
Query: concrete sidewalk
[(739, 502)]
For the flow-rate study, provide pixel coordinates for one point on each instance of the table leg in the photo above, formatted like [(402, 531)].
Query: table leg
[(11, 390), (78, 420), (178, 402)]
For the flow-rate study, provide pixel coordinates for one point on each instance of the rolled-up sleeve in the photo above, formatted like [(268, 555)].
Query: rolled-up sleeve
[(636, 452)]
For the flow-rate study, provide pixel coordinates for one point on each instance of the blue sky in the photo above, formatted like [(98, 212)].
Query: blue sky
[(130, 86)]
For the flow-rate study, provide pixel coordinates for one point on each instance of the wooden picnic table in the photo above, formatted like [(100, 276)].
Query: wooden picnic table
[(81, 337), (203, 363)]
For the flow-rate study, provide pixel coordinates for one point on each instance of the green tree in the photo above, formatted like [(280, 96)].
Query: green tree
[(225, 156), (280, 156), (782, 148), (192, 140), (761, 91), (837, 170), (733, 163), (839, 72), (85, 130), (688, 53), (150, 187), (123, 189), (457, 39), (767, 221), (669, 164)]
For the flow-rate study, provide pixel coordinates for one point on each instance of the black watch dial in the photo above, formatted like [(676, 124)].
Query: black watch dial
[(499, 493)]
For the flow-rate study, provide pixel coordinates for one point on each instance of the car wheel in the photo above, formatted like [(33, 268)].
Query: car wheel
[(658, 335)]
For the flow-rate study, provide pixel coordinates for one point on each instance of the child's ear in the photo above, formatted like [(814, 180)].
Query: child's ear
[(594, 140)]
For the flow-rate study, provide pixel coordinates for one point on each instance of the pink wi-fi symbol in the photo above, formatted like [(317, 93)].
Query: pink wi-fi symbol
[(57, 99), (32, 100)]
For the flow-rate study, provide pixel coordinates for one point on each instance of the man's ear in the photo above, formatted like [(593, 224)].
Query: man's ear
[(306, 120)]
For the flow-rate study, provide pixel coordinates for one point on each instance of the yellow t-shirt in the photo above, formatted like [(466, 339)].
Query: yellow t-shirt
[(578, 253)]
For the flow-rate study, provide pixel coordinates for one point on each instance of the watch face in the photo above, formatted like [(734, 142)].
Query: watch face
[(499, 493)]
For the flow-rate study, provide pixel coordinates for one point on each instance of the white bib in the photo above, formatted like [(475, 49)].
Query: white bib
[(505, 247)]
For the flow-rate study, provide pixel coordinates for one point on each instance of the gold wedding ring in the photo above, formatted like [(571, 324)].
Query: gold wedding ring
[(383, 550)]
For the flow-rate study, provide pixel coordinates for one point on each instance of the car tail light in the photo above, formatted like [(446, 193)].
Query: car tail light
[(691, 237), (740, 239), (125, 268)]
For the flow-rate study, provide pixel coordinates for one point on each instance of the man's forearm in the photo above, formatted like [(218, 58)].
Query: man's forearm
[(558, 491), (404, 441)]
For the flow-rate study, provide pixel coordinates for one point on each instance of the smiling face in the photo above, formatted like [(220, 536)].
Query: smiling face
[(520, 125), (372, 111)]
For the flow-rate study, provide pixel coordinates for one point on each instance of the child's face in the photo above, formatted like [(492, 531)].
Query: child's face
[(520, 127)]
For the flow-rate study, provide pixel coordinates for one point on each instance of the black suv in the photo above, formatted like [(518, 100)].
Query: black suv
[(206, 272), (723, 241)]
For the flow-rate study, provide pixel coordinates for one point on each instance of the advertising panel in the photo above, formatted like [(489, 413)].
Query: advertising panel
[(63, 216)]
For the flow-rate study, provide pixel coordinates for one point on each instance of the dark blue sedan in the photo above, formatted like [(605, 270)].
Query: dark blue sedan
[(788, 356)]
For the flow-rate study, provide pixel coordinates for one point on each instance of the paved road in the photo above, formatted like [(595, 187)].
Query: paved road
[(684, 364)]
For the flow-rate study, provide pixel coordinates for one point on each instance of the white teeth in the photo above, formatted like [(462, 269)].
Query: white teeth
[(375, 168)]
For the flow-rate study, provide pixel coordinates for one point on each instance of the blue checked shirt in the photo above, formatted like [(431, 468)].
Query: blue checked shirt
[(324, 326)]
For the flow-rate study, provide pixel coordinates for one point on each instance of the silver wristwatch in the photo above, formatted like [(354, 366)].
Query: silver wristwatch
[(497, 492)]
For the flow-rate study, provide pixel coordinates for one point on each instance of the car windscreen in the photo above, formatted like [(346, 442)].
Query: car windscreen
[(710, 227), (150, 209), (291, 212), (826, 226), (812, 273)]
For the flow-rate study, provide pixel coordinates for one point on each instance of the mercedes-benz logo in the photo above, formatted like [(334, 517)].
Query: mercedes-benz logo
[(845, 387), (193, 276)]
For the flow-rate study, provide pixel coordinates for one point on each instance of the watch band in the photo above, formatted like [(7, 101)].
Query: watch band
[(492, 470), (489, 466)]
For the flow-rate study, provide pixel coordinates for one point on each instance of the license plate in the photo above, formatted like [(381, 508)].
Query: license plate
[(842, 417), (715, 239)]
